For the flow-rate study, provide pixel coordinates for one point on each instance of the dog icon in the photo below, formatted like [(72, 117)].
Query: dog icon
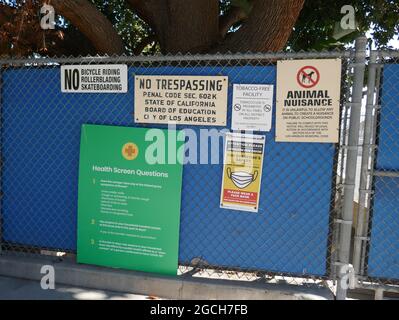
[(307, 77)]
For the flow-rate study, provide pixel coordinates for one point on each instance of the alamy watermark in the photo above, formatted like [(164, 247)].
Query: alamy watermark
[(347, 24), (198, 146), (47, 14), (348, 277), (348, 21), (48, 279)]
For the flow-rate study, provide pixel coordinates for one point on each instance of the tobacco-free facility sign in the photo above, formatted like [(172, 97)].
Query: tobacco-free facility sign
[(128, 209), (190, 100), (252, 107), (94, 78), (308, 95), (242, 171)]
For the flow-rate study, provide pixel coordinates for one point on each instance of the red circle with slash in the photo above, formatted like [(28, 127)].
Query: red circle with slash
[(308, 77)]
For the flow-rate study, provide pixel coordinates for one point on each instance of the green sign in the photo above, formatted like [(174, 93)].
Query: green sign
[(129, 208)]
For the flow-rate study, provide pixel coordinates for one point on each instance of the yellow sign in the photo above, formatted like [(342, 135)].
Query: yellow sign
[(242, 172), (189, 100), (130, 151)]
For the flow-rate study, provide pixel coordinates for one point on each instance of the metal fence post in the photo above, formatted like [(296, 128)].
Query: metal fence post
[(377, 107), (350, 174), (365, 186), (1, 156)]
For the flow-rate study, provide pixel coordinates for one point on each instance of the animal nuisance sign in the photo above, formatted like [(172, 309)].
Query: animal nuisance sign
[(190, 100), (308, 94), (128, 209), (94, 79), (252, 107), (242, 171)]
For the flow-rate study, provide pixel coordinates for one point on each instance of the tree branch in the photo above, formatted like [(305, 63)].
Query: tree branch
[(181, 25), (92, 23), (145, 42), (234, 15), (267, 28), (150, 11)]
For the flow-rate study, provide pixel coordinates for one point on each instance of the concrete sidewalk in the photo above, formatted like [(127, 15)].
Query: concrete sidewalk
[(20, 289), (101, 279)]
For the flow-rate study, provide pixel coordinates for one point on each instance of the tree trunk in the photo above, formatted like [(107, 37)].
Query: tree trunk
[(181, 25), (267, 27), (192, 25), (92, 23), (6, 14)]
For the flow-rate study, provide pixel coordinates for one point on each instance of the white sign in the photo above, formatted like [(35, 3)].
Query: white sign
[(252, 107), (94, 79), (190, 100), (308, 100)]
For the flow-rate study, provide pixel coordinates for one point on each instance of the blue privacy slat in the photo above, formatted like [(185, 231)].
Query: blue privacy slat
[(384, 244), (41, 132), (383, 261), (388, 144)]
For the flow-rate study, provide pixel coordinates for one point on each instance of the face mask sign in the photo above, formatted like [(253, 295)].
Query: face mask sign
[(241, 179), (242, 172)]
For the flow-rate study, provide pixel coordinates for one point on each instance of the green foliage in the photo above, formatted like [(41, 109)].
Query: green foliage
[(314, 29), (315, 26), (130, 27)]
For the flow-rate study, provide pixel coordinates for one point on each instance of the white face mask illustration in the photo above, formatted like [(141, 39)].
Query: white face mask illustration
[(241, 179)]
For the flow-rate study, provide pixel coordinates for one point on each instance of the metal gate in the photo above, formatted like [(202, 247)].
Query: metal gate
[(376, 242)]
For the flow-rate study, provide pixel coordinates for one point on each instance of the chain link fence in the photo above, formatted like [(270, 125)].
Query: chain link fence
[(297, 235), (376, 238)]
